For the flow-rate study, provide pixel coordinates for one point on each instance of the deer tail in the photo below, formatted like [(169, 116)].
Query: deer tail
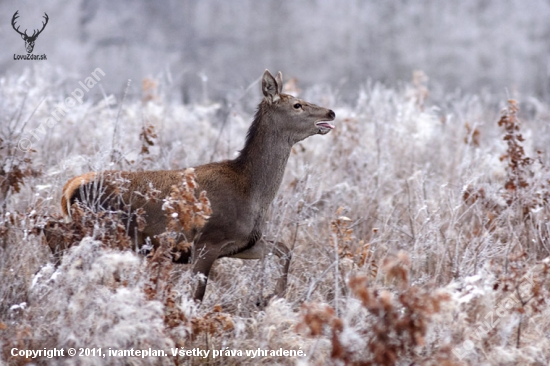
[(70, 191)]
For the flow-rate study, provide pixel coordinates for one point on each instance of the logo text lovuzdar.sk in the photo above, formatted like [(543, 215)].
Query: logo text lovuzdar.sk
[(29, 40)]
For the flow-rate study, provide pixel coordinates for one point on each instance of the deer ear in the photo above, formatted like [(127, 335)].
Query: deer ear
[(279, 80), (270, 88)]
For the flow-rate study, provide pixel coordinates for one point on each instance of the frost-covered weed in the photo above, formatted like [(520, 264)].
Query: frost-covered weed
[(95, 298)]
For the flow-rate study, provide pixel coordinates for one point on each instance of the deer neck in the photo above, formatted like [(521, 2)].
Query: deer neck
[(263, 159)]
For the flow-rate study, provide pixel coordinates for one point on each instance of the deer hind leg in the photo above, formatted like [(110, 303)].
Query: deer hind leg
[(263, 248)]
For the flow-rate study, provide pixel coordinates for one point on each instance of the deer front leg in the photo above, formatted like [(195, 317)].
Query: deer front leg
[(203, 259), (284, 254), (260, 250)]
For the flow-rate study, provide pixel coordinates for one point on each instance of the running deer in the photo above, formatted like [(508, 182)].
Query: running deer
[(240, 190)]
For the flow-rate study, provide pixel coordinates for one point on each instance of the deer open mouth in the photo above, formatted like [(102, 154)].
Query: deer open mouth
[(324, 127)]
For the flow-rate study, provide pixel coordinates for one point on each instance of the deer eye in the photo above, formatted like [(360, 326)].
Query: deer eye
[(297, 106)]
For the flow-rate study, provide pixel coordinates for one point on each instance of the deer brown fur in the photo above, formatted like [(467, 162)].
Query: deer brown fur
[(240, 190)]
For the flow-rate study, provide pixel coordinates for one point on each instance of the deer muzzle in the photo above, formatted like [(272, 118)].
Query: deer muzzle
[(324, 125)]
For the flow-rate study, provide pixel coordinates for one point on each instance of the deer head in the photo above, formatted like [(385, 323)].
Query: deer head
[(298, 118), (29, 40)]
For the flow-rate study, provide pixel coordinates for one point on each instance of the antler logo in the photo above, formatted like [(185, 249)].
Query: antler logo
[(29, 40)]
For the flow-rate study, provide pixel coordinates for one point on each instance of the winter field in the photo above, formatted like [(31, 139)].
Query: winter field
[(418, 227)]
